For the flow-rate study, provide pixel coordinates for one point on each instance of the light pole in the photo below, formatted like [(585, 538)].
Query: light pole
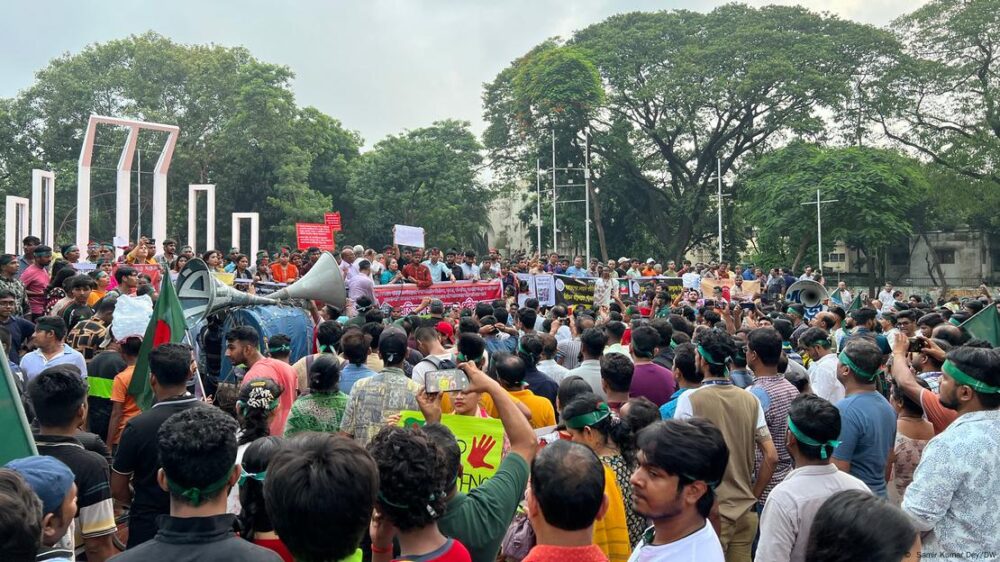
[(719, 197), (538, 201), (555, 231), (819, 225), (569, 183)]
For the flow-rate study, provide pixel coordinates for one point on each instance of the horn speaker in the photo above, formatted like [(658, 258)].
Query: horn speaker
[(806, 292), (323, 282), (201, 294)]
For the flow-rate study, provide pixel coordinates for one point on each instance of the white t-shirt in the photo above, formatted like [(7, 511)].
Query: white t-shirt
[(703, 546), (823, 379), (421, 369)]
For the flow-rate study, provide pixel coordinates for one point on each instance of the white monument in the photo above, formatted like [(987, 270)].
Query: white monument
[(17, 224), (192, 240), (254, 219), (43, 206), (124, 183)]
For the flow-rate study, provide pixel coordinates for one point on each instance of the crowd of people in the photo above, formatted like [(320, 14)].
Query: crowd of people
[(716, 427)]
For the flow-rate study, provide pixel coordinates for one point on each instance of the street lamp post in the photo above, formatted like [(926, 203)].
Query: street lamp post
[(819, 225)]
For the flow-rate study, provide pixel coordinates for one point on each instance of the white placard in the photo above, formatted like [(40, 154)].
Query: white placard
[(119, 242), (84, 266), (408, 236)]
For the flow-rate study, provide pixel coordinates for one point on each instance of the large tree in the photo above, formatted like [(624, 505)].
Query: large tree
[(681, 94), (240, 129)]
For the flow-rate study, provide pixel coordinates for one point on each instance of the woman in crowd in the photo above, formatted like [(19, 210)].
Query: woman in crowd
[(102, 279), (213, 259), (912, 434), (255, 409), (323, 408), (177, 266), (140, 255), (263, 271), (242, 271), (391, 274), (255, 524), (589, 420), (55, 294)]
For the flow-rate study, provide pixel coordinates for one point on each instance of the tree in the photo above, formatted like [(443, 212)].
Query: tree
[(879, 194), (240, 129), (684, 94), (426, 177), (942, 97)]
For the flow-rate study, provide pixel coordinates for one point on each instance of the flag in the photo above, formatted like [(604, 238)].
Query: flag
[(855, 304), (17, 441), (165, 326), (835, 297), (985, 324)]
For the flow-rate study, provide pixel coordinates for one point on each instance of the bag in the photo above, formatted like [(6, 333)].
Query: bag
[(439, 364), (519, 538)]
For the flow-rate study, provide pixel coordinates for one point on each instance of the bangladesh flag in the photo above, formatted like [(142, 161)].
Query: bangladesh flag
[(165, 326), (985, 324), (835, 297), (17, 441)]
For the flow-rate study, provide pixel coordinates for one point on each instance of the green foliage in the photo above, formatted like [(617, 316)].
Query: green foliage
[(425, 177), (878, 192)]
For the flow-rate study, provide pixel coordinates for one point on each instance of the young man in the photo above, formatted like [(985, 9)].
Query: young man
[(59, 397), (686, 374), (35, 279), (739, 416), (649, 380), (198, 452), (813, 425), (615, 331), (90, 336), (127, 279), (868, 426), (123, 406), (51, 349), (548, 364), (617, 377), (680, 464), (20, 329), (775, 394), (816, 344), (564, 500), (592, 344), (375, 398), (510, 373), (316, 483), (362, 284), (169, 253), (436, 357), (52, 482), (137, 462), (529, 349), (440, 272), (29, 244), (954, 489), (80, 287), (242, 348)]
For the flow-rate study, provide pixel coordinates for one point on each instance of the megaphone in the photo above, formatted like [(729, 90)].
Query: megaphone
[(323, 282), (807, 293), (201, 294)]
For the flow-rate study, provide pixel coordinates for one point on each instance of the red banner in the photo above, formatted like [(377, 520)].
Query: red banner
[(466, 294), (314, 234), (333, 221), (153, 271)]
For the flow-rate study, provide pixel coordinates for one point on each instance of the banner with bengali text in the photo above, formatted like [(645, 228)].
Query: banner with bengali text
[(466, 294)]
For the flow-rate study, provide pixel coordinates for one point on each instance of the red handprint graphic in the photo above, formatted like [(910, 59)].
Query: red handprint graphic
[(481, 448)]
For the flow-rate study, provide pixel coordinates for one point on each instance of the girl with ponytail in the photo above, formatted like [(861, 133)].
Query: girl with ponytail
[(255, 409)]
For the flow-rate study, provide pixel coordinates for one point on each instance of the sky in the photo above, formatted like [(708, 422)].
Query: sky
[(380, 66)]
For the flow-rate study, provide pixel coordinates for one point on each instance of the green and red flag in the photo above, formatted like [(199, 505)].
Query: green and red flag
[(855, 304), (985, 324), (165, 326), (17, 441)]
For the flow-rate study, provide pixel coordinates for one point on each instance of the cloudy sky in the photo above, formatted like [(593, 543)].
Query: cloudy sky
[(380, 66)]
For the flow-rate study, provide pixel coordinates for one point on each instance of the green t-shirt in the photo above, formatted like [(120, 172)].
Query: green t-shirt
[(319, 411), (480, 518)]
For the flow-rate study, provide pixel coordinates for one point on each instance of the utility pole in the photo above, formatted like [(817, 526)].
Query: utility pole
[(719, 197), (819, 225), (538, 201), (555, 231), (586, 179)]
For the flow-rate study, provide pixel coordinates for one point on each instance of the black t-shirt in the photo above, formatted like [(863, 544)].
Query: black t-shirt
[(101, 371), (75, 313), (92, 479), (20, 331), (139, 456)]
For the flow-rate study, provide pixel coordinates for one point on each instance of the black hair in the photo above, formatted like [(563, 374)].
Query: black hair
[(855, 525), (328, 335), (613, 428), (593, 342), (616, 371), (130, 346), (615, 330), (818, 419), (982, 364), (910, 315), (471, 346), (197, 449), (253, 517), (501, 315), (571, 387), (950, 334), (549, 345), (124, 271), (106, 304), (57, 394), (451, 453), (324, 374), (355, 345), (691, 449), (684, 364), (278, 341), (483, 309), (681, 324), (908, 404), (373, 330), (413, 477), (567, 481), (53, 324), (253, 414), (426, 334), (839, 311), (529, 349), (784, 328), (170, 363), (244, 334), (766, 343), (720, 346), (531, 303), (664, 329), (20, 518), (642, 412), (510, 369), (81, 280), (374, 315), (930, 319), (318, 482), (645, 340), (468, 325), (866, 356), (863, 316), (815, 336), (527, 317)]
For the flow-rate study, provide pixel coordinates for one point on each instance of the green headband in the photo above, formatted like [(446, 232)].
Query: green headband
[(963, 379), (802, 437), (844, 359), (43, 253), (195, 495), (279, 349), (791, 310), (244, 476), (589, 419), (708, 356)]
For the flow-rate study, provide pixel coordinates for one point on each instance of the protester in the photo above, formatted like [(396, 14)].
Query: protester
[(592, 344), (20, 518), (137, 460), (436, 357), (123, 405), (912, 434), (680, 465), (529, 349), (548, 364), (854, 525), (51, 349), (813, 425), (323, 408), (20, 329), (10, 282), (932, 353), (93, 334), (686, 374), (649, 379), (254, 521), (616, 379), (510, 371), (817, 345), (242, 348), (53, 485), (35, 278)]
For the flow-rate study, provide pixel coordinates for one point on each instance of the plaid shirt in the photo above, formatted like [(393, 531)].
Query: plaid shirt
[(775, 395)]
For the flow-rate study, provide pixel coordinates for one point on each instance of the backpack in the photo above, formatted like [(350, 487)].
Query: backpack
[(439, 364)]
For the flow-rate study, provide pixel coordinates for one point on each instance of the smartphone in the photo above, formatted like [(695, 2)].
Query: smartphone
[(916, 345), (747, 305), (445, 380)]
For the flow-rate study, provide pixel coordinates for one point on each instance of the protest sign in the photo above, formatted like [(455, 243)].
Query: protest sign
[(333, 221), (154, 271), (466, 294), (572, 291), (750, 288), (403, 235), (540, 286), (314, 234), (646, 286), (84, 266), (225, 278), (479, 439)]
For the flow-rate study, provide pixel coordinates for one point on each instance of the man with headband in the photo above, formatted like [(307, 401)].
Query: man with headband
[(739, 416), (954, 491), (70, 253), (35, 279), (812, 428), (868, 421)]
